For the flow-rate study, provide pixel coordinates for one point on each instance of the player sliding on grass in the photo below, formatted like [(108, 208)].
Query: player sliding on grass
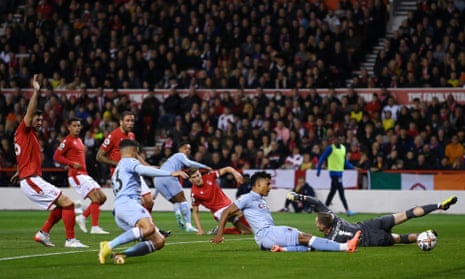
[(376, 231), (130, 215), (269, 236), (206, 191)]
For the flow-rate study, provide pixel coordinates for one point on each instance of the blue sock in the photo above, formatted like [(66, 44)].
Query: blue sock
[(322, 244), (140, 249), (126, 237), (298, 248), (186, 212), (177, 208)]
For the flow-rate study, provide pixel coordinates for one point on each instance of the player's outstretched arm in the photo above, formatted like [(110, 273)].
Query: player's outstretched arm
[(237, 175), (33, 102), (196, 216), (179, 173), (102, 157), (315, 203), (222, 222)]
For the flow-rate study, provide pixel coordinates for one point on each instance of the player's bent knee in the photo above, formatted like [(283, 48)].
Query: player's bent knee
[(64, 201)]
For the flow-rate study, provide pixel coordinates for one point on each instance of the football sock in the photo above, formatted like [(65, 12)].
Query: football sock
[(186, 211), (127, 236), (140, 249), (177, 208), (53, 218), (94, 212), (69, 220), (87, 212), (404, 239), (322, 244), (298, 248), (413, 212)]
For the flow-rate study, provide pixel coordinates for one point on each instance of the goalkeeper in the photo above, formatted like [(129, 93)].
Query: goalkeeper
[(376, 231)]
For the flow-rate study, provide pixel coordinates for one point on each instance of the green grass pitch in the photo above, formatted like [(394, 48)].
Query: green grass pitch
[(187, 255)]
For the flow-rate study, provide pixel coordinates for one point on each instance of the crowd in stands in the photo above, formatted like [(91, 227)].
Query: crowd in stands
[(231, 46)]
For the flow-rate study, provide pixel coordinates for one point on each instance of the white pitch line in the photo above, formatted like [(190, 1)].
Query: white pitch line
[(94, 250)]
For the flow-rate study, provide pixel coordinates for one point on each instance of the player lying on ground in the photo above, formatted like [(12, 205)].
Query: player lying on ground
[(268, 236), (376, 231), (206, 191), (130, 215)]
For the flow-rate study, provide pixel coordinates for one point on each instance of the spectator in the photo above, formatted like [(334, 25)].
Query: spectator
[(148, 119), (294, 160), (454, 152)]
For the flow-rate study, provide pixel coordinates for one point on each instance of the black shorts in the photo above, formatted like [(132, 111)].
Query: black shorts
[(377, 231)]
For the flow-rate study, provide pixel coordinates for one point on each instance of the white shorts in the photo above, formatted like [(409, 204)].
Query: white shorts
[(83, 184), (217, 214), (40, 192), (145, 190)]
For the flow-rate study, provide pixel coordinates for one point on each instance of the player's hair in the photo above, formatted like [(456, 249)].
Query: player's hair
[(326, 219), (73, 119), (126, 113), (182, 143), (191, 171), (128, 143), (259, 175), (38, 112)]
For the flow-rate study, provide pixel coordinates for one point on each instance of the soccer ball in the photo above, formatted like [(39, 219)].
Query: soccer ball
[(427, 240)]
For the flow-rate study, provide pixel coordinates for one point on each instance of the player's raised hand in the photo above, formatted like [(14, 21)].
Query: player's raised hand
[(239, 179), (35, 82)]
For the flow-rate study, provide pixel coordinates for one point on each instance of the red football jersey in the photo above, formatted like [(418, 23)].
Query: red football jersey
[(71, 150), (27, 149), (111, 145), (209, 194)]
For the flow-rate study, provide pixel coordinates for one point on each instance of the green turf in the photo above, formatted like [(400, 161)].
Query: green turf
[(187, 255)]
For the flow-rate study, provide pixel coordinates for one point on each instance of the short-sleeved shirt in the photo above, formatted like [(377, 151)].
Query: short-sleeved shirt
[(111, 145), (71, 150), (126, 180), (27, 149), (210, 194), (257, 213)]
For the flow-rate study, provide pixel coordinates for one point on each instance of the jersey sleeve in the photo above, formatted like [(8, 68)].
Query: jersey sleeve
[(60, 152), (243, 201), (195, 202), (150, 171), (190, 163), (107, 143)]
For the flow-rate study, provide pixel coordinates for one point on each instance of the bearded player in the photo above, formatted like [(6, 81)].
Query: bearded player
[(39, 191), (110, 154)]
